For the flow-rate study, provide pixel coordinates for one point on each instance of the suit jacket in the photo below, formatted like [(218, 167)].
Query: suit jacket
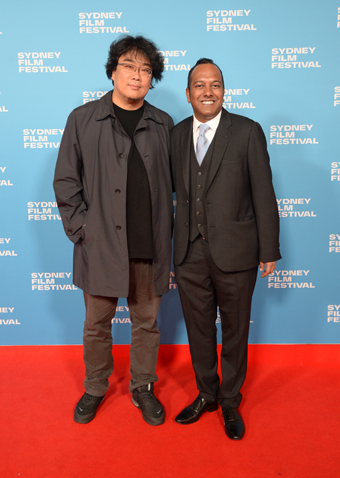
[(239, 200), (90, 187)]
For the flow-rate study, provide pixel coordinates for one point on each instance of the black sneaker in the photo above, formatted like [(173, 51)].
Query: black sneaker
[(144, 399), (86, 408)]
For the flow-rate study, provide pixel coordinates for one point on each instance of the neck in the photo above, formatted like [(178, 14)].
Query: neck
[(127, 103)]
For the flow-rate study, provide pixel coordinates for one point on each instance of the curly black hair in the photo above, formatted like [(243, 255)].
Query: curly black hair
[(203, 61), (138, 44)]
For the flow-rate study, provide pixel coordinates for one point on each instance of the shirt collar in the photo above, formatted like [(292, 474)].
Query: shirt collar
[(213, 123)]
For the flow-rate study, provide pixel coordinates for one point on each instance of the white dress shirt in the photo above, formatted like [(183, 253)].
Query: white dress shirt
[(213, 125)]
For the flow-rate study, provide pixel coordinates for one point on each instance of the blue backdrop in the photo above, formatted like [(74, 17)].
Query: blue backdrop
[(281, 67)]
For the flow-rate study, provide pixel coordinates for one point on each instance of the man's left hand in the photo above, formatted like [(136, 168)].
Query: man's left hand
[(267, 268)]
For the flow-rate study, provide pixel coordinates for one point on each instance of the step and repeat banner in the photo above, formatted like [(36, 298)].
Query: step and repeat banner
[(281, 67)]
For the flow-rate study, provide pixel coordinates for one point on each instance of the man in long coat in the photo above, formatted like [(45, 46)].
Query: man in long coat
[(114, 193)]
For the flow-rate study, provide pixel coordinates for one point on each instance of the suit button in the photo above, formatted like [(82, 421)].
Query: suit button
[(121, 155), (187, 201), (199, 225), (197, 199), (199, 186), (186, 224), (199, 173), (117, 191), (118, 227)]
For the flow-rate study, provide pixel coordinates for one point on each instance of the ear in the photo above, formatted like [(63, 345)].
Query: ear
[(113, 75), (187, 92)]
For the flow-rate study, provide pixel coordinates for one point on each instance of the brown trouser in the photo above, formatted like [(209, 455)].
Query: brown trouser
[(97, 338)]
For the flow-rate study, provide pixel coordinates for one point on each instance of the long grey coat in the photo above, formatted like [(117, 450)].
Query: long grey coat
[(90, 187)]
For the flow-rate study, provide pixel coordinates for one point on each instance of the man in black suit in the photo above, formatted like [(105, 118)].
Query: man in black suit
[(226, 225)]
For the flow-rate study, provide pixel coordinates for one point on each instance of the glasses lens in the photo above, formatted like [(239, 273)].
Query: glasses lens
[(145, 71), (131, 69), (128, 68)]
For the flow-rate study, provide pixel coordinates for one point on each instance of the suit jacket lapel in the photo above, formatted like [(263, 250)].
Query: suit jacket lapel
[(220, 143), (185, 150)]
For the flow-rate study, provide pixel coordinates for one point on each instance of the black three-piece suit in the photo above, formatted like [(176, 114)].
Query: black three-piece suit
[(226, 223)]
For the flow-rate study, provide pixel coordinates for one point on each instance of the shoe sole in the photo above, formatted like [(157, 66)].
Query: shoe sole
[(83, 419), (150, 421)]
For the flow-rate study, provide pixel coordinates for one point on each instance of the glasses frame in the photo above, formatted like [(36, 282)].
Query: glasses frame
[(135, 68)]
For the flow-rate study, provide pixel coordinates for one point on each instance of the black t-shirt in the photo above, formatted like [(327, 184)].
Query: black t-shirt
[(138, 198)]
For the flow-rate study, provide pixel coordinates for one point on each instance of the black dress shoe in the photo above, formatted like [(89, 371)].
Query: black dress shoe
[(234, 426), (193, 412)]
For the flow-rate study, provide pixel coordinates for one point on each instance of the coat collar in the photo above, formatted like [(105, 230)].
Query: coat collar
[(105, 108)]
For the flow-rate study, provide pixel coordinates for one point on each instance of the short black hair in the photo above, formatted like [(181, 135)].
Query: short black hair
[(138, 44), (203, 61)]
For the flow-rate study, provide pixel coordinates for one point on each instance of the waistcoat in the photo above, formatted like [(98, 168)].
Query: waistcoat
[(198, 176)]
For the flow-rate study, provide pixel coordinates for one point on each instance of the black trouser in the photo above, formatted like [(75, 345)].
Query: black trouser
[(202, 287)]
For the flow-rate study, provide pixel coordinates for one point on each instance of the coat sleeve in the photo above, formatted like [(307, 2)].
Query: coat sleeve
[(263, 195), (67, 182)]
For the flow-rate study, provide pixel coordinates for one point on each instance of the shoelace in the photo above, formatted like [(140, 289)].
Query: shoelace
[(229, 414), (148, 397), (197, 403), (90, 399)]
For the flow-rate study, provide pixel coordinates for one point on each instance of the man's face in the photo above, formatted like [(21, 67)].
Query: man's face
[(206, 92), (131, 87)]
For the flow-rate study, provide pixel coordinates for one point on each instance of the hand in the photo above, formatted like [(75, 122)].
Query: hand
[(270, 267)]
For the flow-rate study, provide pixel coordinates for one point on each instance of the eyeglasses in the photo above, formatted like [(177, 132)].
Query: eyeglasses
[(128, 68)]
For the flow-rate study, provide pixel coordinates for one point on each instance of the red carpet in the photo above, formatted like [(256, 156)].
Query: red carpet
[(291, 409)]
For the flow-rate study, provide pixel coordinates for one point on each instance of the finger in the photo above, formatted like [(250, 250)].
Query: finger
[(270, 267)]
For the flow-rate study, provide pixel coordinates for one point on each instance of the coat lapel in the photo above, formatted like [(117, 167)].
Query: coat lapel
[(220, 143)]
